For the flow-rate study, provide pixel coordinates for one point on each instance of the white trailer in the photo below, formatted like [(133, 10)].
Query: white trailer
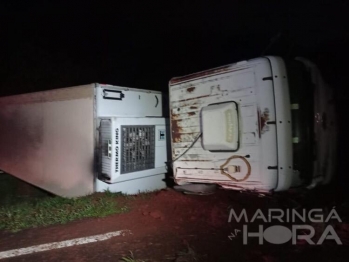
[(84, 139), (264, 125)]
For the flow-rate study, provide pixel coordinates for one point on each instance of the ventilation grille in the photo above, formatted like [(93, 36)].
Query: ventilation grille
[(138, 148), (105, 138)]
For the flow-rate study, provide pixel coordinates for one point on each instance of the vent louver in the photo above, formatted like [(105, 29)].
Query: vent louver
[(137, 148), (105, 146)]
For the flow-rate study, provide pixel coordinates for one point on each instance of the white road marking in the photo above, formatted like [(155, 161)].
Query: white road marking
[(62, 244)]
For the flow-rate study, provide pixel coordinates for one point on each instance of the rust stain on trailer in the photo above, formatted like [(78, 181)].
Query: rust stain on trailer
[(195, 98), (263, 118), (207, 73), (176, 129), (191, 113), (191, 89), (192, 103), (174, 116)]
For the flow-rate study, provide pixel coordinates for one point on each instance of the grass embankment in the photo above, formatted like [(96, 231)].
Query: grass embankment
[(57, 210)]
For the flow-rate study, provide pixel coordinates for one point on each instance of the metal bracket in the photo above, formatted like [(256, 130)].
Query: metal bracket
[(113, 94)]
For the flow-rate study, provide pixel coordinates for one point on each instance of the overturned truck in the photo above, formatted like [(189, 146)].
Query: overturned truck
[(84, 139), (264, 125)]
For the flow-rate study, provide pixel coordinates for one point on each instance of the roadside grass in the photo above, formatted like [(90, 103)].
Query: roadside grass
[(188, 255), (130, 258), (145, 195), (148, 194), (57, 210), (7, 187), (14, 190)]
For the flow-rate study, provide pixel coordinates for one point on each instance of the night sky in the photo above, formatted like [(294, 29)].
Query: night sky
[(49, 44)]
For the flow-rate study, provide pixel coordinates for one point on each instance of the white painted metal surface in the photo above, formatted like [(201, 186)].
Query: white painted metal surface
[(220, 127), (47, 139), (147, 182), (116, 149), (131, 107), (283, 123), (260, 87), (131, 103), (249, 86), (50, 139)]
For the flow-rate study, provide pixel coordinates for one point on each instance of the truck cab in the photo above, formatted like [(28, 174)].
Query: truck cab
[(266, 124)]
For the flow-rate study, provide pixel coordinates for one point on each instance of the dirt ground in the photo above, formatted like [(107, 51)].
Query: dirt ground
[(171, 226)]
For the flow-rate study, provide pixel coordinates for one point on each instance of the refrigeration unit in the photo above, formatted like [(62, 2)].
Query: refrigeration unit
[(263, 125), (84, 139)]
